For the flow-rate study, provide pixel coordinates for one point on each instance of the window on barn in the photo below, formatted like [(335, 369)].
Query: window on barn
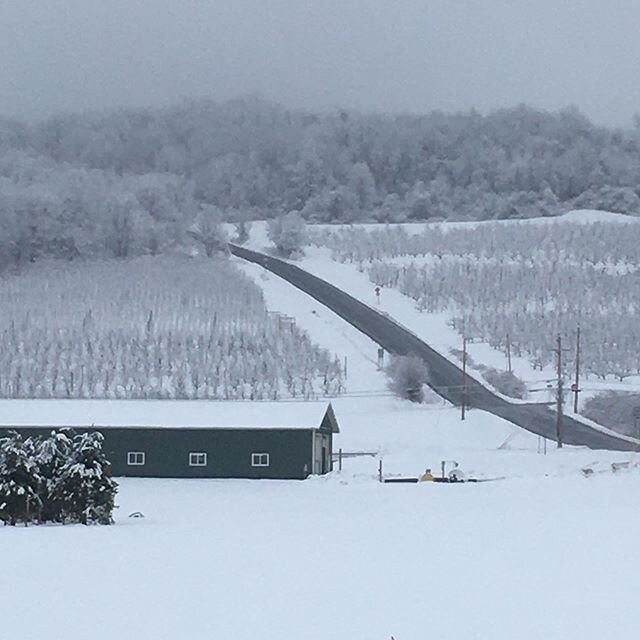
[(259, 459), (136, 458), (197, 459)]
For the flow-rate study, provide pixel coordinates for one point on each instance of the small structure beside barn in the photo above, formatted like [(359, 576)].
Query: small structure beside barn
[(191, 439)]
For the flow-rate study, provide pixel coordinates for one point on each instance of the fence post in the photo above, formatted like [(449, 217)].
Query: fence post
[(380, 471)]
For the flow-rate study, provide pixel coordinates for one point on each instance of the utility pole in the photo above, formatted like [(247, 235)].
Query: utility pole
[(559, 397), (509, 354), (576, 386), (464, 378)]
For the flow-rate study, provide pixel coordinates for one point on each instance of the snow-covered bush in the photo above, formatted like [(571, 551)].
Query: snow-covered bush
[(407, 377), (505, 382), (64, 478), (614, 409), (288, 233)]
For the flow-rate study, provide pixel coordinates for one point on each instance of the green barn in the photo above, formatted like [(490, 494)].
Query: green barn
[(192, 439)]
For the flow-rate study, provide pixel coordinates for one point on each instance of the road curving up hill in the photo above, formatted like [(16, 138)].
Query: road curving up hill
[(446, 377)]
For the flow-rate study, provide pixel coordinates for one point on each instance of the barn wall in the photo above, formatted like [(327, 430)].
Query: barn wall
[(228, 451)]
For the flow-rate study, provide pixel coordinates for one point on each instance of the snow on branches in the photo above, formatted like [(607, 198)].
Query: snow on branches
[(152, 327), (522, 282), (63, 478)]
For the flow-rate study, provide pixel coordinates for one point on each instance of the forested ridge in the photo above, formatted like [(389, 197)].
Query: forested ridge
[(135, 181)]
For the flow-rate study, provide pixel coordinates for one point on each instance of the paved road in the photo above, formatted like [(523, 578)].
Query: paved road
[(446, 377)]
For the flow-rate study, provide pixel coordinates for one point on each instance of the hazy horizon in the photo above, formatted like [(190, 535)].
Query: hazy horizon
[(76, 55)]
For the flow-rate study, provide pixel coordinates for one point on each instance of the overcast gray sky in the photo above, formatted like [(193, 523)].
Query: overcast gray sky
[(382, 55)]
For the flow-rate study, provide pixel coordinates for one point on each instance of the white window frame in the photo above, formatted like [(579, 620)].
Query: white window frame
[(136, 458), (197, 459), (260, 460)]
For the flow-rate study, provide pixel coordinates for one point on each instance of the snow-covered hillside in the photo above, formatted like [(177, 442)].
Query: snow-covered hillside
[(410, 437), (503, 282)]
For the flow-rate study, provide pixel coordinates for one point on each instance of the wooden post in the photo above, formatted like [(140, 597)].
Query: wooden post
[(339, 459), (380, 470)]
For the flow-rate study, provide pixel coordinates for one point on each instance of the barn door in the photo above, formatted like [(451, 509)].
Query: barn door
[(321, 453), (318, 454)]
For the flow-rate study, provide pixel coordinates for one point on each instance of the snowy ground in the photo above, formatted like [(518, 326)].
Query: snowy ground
[(544, 552), (322, 559)]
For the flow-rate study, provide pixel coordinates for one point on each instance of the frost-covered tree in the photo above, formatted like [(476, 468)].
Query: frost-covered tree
[(243, 231), (362, 185), (288, 233), (207, 230), (58, 177), (407, 377)]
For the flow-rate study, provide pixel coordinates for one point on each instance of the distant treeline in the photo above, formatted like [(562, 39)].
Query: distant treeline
[(135, 181)]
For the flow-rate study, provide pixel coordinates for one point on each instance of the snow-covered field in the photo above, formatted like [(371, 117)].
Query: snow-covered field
[(541, 552), (524, 559)]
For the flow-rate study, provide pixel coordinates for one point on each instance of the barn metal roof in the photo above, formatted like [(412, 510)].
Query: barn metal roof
[(195, 414)]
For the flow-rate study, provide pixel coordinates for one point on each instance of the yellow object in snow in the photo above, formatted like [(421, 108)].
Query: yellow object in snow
[(427, 476)]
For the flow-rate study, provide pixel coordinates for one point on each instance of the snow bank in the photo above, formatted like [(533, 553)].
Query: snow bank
[(589, 216)]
